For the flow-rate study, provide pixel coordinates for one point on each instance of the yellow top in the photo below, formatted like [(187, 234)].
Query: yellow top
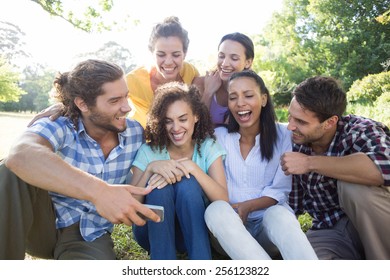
[(141, 94)]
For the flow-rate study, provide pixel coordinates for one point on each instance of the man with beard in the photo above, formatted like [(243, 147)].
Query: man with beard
[(341, 173), (63, 184)]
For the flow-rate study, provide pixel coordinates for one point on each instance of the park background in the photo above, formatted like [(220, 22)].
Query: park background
[(294, 39)]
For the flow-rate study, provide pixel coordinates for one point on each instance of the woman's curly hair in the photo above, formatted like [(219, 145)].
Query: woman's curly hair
[(156, 133)]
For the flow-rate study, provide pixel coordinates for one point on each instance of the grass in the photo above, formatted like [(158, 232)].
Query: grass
[(126, 248)]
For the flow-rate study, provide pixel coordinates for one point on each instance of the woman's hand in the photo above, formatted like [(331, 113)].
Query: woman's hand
[(166, 172), (212, 82), (53, 112), (243, 209)]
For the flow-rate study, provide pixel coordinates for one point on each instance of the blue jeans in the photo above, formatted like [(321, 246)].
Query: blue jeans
[(183, 228)]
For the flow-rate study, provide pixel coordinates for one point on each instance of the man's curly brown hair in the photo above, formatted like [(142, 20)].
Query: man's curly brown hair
[(155, 131)]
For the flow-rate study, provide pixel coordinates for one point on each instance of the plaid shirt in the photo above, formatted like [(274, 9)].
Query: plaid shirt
[(78, 149), (317, 194)]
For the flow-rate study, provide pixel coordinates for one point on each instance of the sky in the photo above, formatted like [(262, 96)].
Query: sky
[(54, 42)]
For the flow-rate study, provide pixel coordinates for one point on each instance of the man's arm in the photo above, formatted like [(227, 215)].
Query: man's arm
[(32, 159), (355, 168)]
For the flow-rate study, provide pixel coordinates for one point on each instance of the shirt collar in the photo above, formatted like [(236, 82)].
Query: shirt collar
[(122, 135), (237, 137)]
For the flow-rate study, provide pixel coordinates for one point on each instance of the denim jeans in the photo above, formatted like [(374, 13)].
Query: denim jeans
[(278, 230), (183, 228)]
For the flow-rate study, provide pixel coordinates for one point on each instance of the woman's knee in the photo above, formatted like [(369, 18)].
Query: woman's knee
[(188, 190), (218, 211), (278, 214), (158, 195)]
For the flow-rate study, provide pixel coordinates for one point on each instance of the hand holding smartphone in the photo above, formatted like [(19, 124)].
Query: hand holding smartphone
[(159, 210)]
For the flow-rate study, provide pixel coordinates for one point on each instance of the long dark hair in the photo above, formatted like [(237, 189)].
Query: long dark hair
[(268, 133), (244, 40)]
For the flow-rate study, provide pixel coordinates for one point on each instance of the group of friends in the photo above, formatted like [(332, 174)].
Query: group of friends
[(209, 150)]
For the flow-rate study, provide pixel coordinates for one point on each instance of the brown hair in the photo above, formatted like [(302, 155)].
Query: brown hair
[(85, 81), (155, 131), (321, 95), (171, 26)]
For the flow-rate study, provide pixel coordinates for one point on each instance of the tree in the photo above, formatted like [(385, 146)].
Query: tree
[(37, 82), (12, 43), (9, 89), (328, 37), (92, 16), (11, 49), (112, 51), (370, 88), (357, 43)]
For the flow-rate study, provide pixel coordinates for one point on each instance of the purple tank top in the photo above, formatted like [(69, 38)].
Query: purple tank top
[(217, 111)]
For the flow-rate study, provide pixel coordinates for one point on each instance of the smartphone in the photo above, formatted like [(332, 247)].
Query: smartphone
[(159, 210)]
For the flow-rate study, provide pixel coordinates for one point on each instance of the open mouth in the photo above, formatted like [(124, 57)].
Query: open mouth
[(178, 136), (169, 70), (225, 71), (244, 115), (296, 135)]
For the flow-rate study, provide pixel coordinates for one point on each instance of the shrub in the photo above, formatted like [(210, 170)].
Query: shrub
[(306, 221), (282, 114), (369, 89)]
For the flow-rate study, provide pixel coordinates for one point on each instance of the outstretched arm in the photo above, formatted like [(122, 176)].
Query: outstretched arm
[(33, 160)]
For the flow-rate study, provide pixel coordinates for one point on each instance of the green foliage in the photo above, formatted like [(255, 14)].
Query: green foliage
[(278, 86), (36, 83), (379, 111), (370, 88), (89, 16), (327, 37), (9, 88), (282, 114), (306, 221)]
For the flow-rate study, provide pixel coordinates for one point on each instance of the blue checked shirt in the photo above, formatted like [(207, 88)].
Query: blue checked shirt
[(317, 194), (77, 148)]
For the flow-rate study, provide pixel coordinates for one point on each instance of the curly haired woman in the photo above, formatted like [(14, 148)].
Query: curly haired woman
[(180, 141)]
